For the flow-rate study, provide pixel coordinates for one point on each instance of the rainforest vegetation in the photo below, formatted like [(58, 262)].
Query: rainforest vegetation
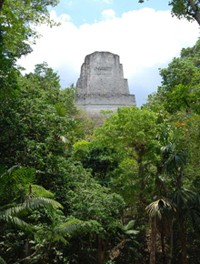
[(76, 189)]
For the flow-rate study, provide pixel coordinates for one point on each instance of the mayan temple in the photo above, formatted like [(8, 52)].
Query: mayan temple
[(101, 85)]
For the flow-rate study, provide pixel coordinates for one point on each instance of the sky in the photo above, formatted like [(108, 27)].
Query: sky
[(145, 36)]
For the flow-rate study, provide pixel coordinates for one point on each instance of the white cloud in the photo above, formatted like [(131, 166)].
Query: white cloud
[(62, 18), (108, 14), (145, 40)]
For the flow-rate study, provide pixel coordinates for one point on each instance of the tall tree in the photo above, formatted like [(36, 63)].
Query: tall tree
[(133, 133)]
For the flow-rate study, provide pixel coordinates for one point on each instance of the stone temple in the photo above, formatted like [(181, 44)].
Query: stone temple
[(101, 85)]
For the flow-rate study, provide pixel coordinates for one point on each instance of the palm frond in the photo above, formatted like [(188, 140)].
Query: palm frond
[(183, 197), (159, 208)]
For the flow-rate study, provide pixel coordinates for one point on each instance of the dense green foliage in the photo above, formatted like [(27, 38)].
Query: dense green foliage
[(189, 9), (18, 19), (76, 190), (180, 83)]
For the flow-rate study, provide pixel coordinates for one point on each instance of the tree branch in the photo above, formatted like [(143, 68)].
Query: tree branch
[(196, 11)]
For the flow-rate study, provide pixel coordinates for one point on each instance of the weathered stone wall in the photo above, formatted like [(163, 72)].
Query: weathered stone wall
[(101, 84)]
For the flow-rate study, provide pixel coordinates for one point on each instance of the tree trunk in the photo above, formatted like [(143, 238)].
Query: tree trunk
[(162, 238), (183, 242), (171, 242), (27, 251), (153, 236), (195, 9), (141, 178), (100, 250)]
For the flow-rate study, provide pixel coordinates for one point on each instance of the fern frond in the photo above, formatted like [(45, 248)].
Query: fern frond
[(69, 227), (36, 203), (39, 191), (33, 204), (9, 171), (15, 221)]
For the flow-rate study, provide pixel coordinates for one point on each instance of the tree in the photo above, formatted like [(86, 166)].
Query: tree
[(16, 24), (39, 127), (31, 210), (133, 133), (180, 84), (101, 159), (161, 214), (90, 201), (176, 186), (189, 9), (17, 33)]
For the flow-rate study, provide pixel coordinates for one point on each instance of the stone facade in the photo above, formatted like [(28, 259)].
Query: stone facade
[(101, 85)]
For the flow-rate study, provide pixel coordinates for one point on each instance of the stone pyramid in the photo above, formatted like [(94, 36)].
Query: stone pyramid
[(101, 85)]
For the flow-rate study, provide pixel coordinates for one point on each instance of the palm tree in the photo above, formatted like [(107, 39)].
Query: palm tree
[(183, 199), (161, 214), (173, 163)]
